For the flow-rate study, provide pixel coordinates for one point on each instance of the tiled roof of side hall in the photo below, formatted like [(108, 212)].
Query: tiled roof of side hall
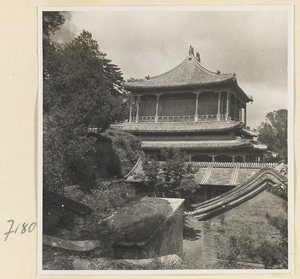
[(189, 73), (199, 144), (178, 127), (207, 173)]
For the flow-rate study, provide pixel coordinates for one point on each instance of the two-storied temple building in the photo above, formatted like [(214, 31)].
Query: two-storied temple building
[(195, 110)]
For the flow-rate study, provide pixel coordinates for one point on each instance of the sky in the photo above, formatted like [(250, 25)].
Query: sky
[(251, 43)]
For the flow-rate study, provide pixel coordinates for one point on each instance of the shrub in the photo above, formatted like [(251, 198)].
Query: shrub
[(171, 178)]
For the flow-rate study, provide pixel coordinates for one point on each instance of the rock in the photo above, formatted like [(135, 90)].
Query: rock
[(71, 188), (81, 264), (82, 246), (172, 261)]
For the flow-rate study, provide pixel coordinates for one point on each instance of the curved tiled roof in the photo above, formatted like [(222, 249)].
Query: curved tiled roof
[(189, 73), (207, 173), (250, 133), (200, 144), (178, 127), (260, 146), (256, 183)]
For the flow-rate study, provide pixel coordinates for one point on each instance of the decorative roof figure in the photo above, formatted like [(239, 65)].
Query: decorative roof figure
[(191, 51), (198, 57)]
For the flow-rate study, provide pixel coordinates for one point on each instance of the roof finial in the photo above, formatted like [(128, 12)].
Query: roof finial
[(198, 57), (191, 51)]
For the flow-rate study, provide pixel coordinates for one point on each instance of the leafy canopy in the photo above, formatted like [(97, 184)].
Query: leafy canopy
[(273, 132), (82, 89), (170, 176)]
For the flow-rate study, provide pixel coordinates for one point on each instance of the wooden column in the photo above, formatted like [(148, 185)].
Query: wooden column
[(245, 116), (219, 106), (130, 109), (156, 108), (227, 106), (213, 158), (234, 108), (196, 108), (137, 109)]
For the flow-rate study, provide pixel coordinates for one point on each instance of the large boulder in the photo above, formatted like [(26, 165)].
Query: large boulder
[(165, 262)]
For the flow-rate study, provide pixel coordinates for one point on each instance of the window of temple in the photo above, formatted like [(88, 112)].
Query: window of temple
[(208, 103), (177, 104), (238, 115), (232, 106), (223, 102), (239, 159), (147, 105), (223, 158), (201, 158)]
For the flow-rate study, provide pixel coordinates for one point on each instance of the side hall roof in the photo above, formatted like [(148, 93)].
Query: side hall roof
[(206, 173)]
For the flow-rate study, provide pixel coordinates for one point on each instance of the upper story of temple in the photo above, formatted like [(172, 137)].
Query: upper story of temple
[(195, 110), (188, 92)]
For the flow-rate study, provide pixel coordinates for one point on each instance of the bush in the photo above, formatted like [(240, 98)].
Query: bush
[(171, 178), (125, 145), (106, 198)]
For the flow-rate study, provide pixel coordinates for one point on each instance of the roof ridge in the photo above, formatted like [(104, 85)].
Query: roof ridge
[(191, 57), (201, 67), (168, 72)]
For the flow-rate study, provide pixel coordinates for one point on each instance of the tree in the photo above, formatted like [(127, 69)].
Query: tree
[(81, 90), (86, 84), (273, 132), (52, 21), (170, 177)]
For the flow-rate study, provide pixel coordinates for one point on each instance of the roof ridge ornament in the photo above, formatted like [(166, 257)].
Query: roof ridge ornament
[(198, 57), (191, 51)]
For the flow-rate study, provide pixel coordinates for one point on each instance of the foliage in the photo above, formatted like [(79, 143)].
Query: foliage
[(67, 153), (273, 132), (275, 256), (171, 177), (105, 198), (240, 248), (125, 145), (86, 84), (81, 89), (272, 255), (52, 21)]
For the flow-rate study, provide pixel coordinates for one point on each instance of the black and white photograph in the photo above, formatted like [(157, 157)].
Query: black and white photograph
[(166, 140)]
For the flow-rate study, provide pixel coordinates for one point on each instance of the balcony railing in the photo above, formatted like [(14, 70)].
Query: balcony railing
[(172, 118), (180, 118)]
